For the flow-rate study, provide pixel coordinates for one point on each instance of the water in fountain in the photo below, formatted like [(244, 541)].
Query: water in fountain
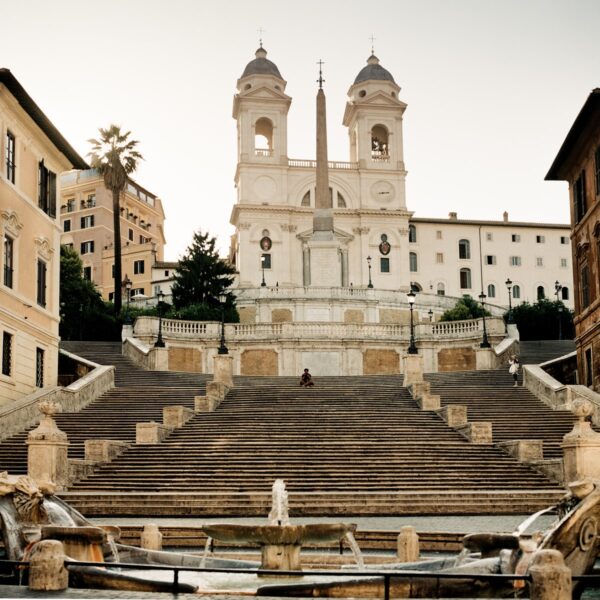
[(279, 514), (358, 557), (11, 530), (206, 551)]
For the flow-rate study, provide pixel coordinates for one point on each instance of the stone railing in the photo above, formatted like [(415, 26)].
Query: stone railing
[(148, 357), (312, 164)]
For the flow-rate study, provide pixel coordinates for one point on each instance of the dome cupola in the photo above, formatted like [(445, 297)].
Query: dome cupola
[(373, 71), (261, 65)]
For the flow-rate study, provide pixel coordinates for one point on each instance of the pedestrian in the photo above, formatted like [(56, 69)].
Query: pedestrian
[(306, 379), (513, 368)]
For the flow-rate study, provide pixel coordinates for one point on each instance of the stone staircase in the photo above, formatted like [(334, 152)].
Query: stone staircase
[(348, 446), (515, 413), (536, 352)]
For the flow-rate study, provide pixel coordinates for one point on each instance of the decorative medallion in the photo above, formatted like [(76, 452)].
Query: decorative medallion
[(587, 533), (265, 243), (385, 246), (382, 191)]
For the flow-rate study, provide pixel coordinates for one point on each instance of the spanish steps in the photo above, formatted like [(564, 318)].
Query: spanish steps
[(348, 446)]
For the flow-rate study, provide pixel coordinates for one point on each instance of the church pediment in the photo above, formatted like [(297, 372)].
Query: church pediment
[(262, 92), (341, 236), (376, 100)]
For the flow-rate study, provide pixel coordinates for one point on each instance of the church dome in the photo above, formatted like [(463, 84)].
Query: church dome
[(261, 65), (373, 70)]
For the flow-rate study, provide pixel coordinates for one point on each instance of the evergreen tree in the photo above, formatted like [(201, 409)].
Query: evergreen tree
[(201, 277), (465, 308)]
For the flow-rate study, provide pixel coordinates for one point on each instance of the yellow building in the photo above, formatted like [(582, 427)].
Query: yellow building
[(32, 155), (86, 216)]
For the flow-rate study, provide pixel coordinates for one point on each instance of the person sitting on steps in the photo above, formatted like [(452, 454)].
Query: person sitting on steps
[(306, 379)]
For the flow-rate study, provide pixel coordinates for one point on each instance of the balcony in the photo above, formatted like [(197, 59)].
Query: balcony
[(263, 152), (312, 164)]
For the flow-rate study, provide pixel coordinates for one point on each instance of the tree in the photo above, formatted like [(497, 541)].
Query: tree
[(201, 277), (543, 320), (465, 308), (114, 156)]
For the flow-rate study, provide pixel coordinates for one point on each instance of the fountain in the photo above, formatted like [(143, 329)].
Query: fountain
[(280, 541)]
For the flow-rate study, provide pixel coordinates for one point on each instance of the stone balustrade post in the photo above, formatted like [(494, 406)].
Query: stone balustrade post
[(47, 571), (581, 446), (223, 369), (408, 544), (413, 369), (550, 577), (151, 537)]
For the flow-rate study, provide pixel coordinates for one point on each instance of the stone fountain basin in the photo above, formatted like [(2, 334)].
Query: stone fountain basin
[(279, 534)]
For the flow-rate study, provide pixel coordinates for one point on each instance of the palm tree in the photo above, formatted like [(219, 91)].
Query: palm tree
[(114, 156)]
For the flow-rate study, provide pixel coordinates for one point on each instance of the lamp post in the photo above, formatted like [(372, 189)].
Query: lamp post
[(485, 343), (557, 289), (127, 283), (412, 348), (159, 340), (370, 286), (509, 283), (430, 313), (222, 347), (263, 283)]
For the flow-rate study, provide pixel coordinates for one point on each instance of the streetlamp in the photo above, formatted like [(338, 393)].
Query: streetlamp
[(262, 264), (485, 343), (509, 283), (160, 295), (412, 348), (370, 286), (557, 288), (430, 313), (223, 348), (127, 284)]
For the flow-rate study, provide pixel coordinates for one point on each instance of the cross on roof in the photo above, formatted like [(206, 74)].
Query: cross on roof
[(320, 81), (260, 31), (372, 38)]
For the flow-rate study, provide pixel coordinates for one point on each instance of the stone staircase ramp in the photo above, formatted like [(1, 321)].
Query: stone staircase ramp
[(536, 352)]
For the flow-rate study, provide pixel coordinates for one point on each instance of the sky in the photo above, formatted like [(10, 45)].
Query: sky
[(492, 88)]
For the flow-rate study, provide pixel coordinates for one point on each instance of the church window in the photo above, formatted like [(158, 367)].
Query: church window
[(579, 198), (491, 291), (464, 249), (412, 234), (413, 262), (263, 137), (384, 264), (341, 202), (516, 292), (265, 261), (465, 279), (541, 293), (379, 144), (306, 199), (441, 289)]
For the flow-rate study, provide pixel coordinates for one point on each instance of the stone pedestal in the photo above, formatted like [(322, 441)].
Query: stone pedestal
[(47, 450), (223, 369), (126, 332), (413, 369), (408, 544), (429, 402), (550, 577), (151, 537), (419, 388), (524, 450), (477, 432), (284, 557), (176, 416), (325, 265), (150, 433), (216, 390), (159, 359), (47, 571), (455, 415), (102, 451), (581, 446), (205, 403)]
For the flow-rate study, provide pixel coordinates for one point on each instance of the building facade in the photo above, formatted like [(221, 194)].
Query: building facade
[(578, 163), (86, 217), (32, 156)]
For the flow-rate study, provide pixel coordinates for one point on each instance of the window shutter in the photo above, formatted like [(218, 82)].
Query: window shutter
[(52, 194)]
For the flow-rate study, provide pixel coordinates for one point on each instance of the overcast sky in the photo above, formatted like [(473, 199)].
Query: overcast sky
[(492, 88)]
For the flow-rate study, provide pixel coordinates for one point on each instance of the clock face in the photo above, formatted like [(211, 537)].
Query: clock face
[(382, 191)]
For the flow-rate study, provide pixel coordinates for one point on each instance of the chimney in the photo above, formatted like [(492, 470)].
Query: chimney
[(505, 216), (453, 216)]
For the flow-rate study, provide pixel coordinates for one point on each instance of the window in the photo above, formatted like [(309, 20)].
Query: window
[(516, 292), (490, 259), (87, 221), (138, 267), (130, 235), (9, 258), (42, 270), (412, 258), (489, 236), (540, 292), (46, 190), (91, 201), (166, 273), (7, 353), (87, 273), (515, 261), (10, 157), (464, 249), (438, 234), (87, 247), (305, 199), (540, 239), (441, 289), (564, 239), (563, 262), (142, 239), (565, 293), (39, 367), (539, 261), (439, 258), (585, 286), (67, 225), (465, 279), (111, 296), (384, 264), (491, 290), (589, 371), (379, 144), (597, 169), (515, 237), (412, 234), (137, 292), (265, 261), (579, 199)]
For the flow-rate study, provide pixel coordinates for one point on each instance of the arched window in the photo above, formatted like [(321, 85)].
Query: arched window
[(441, 289), (341, 201), (516, 292), (464, 249), (541, 293), (565, 293), (415, 287), (263, 137), (412, 234), (465, 279), (412, 257), (306, 199), (491, 291), (379, 143)]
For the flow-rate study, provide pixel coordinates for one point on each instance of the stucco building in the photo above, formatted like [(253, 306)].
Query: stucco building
[(33, 153), (86, 217), (578, 163)]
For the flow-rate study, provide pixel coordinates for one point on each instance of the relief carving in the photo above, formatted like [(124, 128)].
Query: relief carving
[(45, 250), (11, 222)]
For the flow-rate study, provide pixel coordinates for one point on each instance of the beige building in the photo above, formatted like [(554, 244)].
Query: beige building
[(86, 218), (32, 155)]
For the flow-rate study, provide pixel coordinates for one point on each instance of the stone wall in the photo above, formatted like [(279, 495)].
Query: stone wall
[(247, 314), (394, 315), (281, 315), (457, 359), (381, 362), (354, 315), (259, 362), (185, 359)]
